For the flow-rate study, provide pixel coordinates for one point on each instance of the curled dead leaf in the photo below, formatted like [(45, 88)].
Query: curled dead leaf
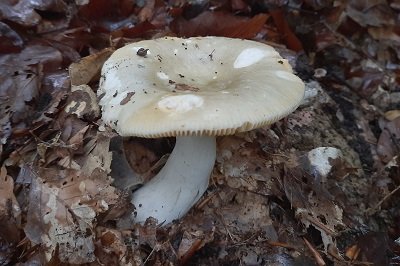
[(88, 67)]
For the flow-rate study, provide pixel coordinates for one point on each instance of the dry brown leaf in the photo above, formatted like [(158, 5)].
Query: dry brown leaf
[(10, 217), (62, 211), (133, 32), (115, 247), (189, 244), (248, 213), (147, 11), (372, 248), (10, 40), (88, 67), (243, 166), (352, 252), (392, 114), (53, 222), (314, 209), (64, 204), (388, 143), (385, 33), (240, 5), (219, 24), (372, 13), (21, 78), (98, 158), (291, 40)]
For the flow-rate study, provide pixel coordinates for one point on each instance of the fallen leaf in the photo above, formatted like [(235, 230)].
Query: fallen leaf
[(352, 252), (10, 217), (291, 41), (388, 141), (64, 204), (219, 23), (385, 33), (28, 13), (314, 209), (115, 247), (372, 247), (371, 13), (21, 77), (139, 30), (392, 114), (88, 67), (10, 40), (54, 222), (147, 12), (82, 102)]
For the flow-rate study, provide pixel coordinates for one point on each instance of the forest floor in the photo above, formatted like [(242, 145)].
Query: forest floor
[(320, 187)]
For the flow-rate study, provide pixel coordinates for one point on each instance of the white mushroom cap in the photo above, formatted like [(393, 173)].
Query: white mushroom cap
[(196, 86)]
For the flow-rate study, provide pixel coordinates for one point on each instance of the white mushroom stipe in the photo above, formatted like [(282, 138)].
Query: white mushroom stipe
[(180, 103), (179, 184), (248, 57)]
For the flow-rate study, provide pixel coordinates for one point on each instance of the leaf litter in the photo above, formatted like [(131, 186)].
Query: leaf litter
[(311, 189)]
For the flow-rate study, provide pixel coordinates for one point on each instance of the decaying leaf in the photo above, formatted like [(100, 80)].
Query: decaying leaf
[(374, 13), (250, 212), (243, 166), (55, 222), (324, 216), (116, 247), (10, 217), (83, 103), (65, 203), (388, 143)]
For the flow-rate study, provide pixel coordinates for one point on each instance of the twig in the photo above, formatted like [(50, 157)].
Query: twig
[(244, 242), (320, 261), (192, 250), (151, 253), (201, 204), (320, 225), (373, 210), (281, 244), (226, 228)]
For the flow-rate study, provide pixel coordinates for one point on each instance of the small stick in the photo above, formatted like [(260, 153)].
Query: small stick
[(371, 211), (315, 253)]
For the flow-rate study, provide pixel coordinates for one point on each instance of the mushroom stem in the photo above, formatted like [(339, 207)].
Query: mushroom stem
[(179, 184)]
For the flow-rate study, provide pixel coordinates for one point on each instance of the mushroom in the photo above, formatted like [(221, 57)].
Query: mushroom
[(194, 89)]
